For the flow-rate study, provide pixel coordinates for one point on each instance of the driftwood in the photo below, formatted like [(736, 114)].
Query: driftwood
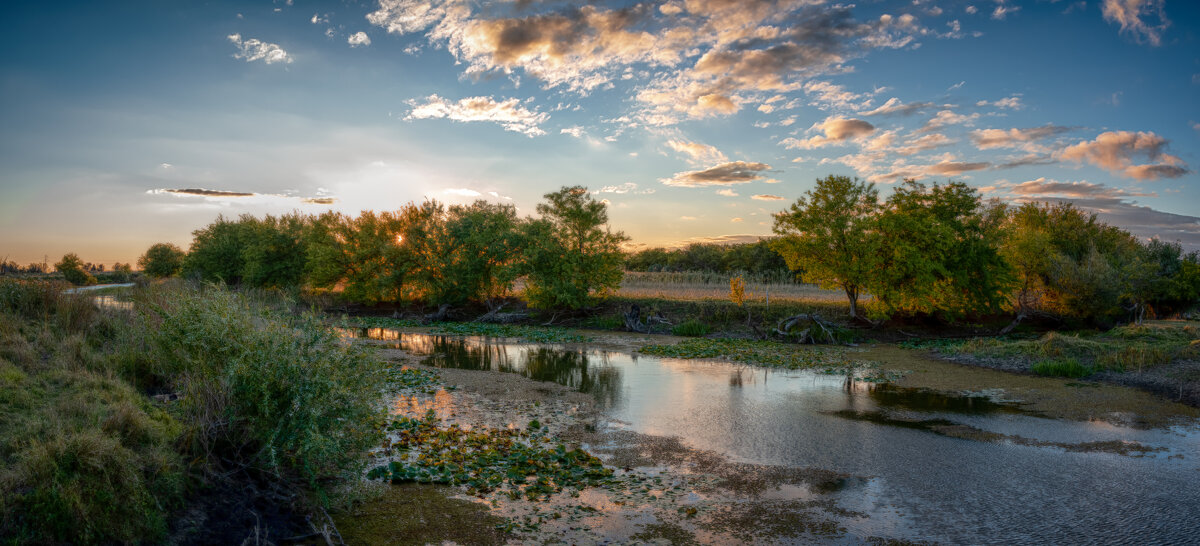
[(816, 329), (441, 314), (495, 316), (634, 323)]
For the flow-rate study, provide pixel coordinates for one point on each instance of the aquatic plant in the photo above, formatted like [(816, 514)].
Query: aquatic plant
[(763, 353), (486, 459)]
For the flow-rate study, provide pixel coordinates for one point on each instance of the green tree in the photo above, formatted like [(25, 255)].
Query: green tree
[(73, 270), (218, 250), (369, 257), (274, 251), (569, 256), (162, 260), (941, 252), (477, 249), (829, 234)]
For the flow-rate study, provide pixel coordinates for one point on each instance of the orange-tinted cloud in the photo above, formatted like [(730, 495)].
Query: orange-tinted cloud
[(1114, 151), (725, 174)]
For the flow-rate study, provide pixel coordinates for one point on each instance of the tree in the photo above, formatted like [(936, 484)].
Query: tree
[(72, 269), (940, 253), (477, 253), (218, 250), (161, 260), (273, 255), (569, 257), (829, 234), (370, 257)]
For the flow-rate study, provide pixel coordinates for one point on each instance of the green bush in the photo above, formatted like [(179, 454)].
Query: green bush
[(280, 393), (72, 269), (162, 260), (1061, 367), (691, 328)]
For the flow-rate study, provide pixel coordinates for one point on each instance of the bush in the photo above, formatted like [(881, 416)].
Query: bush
[(162, 260), (72, 269), (282, 394), (1061, 367), (691, 328)]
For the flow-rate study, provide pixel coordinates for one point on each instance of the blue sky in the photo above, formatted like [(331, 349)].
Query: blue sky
[(695, 119)]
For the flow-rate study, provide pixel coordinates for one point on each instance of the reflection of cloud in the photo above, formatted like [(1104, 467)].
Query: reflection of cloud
[(508, 113), (255, 50), (1132, 15), (1114, 151), (735, 172)]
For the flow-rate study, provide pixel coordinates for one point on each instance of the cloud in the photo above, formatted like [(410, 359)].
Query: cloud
[(359, 39), (736, 220), (766, 197), (953, 168), (255, 50), (318, 19), (508, 113), (1043, 187), (923, 143), (1134, 17), (697, 152), (462, 192), (1114, 151), (893, 106), (836, 129), (947, 117), (628, 187), (1010, 103), (1002, 11), (241, 196), (828, 95), (986, 139), (725, 174), (205, 193), (727, 193)]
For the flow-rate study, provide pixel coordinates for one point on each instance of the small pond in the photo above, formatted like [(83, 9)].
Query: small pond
[(922, 485)]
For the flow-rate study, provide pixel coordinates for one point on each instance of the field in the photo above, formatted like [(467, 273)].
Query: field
[(690, 286)]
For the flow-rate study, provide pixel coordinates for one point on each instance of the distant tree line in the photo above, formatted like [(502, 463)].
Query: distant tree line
[(757, 258), (940, 250), (425, 252)]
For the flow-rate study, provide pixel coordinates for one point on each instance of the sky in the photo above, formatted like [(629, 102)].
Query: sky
[(124, 124)]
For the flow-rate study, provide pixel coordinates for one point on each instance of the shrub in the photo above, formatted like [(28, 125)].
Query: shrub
[(1061, 367), (72, 269), (162, 260), (691, 328), (283, 394)]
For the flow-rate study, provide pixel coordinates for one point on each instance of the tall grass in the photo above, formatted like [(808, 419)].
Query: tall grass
[(87, 457), (1125, 348)]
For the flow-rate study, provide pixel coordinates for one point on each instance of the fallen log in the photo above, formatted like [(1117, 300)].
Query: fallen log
[(817, 329)]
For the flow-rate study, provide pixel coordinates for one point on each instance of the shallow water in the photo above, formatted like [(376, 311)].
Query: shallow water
[(921, 486)]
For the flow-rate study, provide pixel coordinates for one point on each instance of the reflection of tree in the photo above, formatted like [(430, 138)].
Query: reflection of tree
[(571, 368)]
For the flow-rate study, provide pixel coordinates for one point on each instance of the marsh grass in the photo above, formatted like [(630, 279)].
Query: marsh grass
[(1061, 367), (87, 457), (1124, 348)]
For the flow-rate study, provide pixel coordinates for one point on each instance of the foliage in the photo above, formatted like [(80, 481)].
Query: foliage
[(569, 259), (473, 254), (73, 270), (485, 459), (218, 250), (161, 260), (690, 328), (829, 234), (941, 252), (737, 290), (364, 255), (757, 259), (280, 393), (1124, 348), (84, 457)]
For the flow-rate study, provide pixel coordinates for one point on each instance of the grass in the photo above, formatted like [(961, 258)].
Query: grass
[(690, 328), (692, 286), (1121, 349), (87, 457), (1061, 367)]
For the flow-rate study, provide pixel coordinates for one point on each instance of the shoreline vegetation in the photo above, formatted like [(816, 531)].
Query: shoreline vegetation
[(219, 400)]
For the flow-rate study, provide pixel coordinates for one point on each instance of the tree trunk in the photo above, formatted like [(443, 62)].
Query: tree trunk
[(852, 295)]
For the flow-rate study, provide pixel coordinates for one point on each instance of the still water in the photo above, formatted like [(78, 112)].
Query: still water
[(920, 485)]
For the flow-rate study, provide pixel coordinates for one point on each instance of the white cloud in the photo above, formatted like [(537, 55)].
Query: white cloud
[(697, 152), (359, 39), (254, 49), (836, 130), (508, 113)]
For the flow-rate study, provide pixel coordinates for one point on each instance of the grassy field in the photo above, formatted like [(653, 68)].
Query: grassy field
[(690, 286)]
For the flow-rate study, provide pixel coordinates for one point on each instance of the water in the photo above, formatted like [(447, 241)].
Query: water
[(922, 485)]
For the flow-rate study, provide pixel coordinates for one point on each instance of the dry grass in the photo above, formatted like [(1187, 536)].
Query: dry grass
[(691, 286)]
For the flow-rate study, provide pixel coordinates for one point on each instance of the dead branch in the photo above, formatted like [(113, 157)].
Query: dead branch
[(817, 329)]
